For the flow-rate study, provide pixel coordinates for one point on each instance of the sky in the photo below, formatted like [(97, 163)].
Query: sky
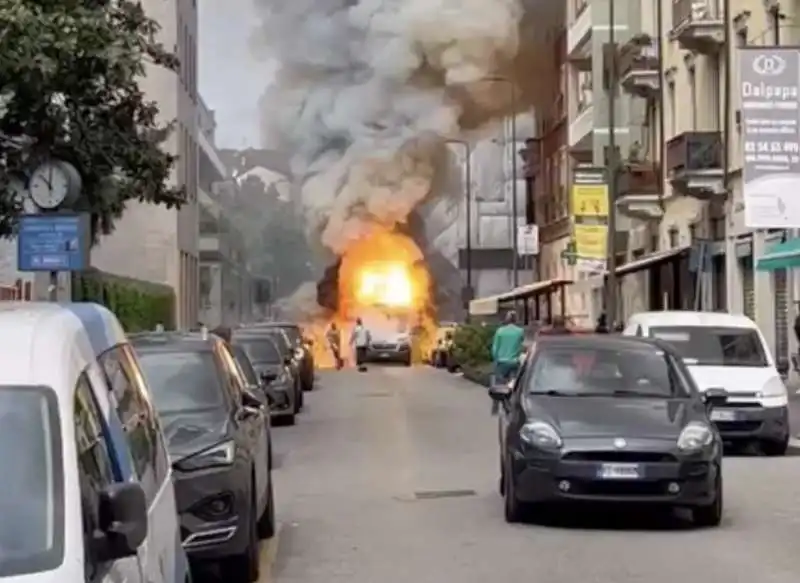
[(231, 77)]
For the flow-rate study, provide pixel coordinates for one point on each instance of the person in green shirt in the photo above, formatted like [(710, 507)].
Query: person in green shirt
[(507, 346)]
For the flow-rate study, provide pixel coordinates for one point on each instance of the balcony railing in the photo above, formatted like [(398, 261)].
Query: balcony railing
[(640, 179), (684, 11), (694, 151)]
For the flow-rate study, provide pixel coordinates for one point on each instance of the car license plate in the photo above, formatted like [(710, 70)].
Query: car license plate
[(723, 415), (620, 472), (384, 355)]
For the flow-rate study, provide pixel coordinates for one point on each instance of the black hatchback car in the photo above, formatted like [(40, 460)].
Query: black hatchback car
[(217, 435), (289, 355), (608, 419)]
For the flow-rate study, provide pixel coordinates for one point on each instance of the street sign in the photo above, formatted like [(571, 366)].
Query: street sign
[(528, 240), (53, 242)]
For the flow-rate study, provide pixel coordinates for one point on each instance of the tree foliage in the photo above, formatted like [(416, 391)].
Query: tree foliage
[(69, 89), (273, 230), (472, 344)]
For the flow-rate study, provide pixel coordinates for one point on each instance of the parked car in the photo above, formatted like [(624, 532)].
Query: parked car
[(261, 355), (85, 466), (217, 434), (608, 419), (289, 355), (303, 351), (728, 351)]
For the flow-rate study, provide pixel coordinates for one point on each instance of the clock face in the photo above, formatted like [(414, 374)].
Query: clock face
[(49, 186)]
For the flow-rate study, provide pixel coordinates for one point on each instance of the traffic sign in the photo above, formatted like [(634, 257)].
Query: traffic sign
[(53, 242), (528, 240)]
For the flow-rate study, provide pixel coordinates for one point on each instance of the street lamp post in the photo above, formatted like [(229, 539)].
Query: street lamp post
[(613, 169), (468, 195), (514, 203)]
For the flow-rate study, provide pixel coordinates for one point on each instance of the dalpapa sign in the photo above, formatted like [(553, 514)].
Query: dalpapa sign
[(769, 79)]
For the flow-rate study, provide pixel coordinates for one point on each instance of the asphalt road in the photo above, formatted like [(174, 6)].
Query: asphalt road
[(391, 476)]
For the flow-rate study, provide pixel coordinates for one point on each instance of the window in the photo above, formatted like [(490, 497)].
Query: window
[(138, 417), (693, 93), (261, 350), (714, 346), (182, 381), (94, 468), (246, 365), (673, 109)]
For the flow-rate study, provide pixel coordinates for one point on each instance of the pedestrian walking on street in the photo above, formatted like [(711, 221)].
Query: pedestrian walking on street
[(334, 338), (507, 346), (359, 339)]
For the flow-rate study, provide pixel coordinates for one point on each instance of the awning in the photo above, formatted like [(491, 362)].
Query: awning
[(780, 256), (651, 260), (532, 289), (490, 305)]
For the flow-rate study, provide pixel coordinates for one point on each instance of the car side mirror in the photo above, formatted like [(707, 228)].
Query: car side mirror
[(287, 360), (783, 366), (715, 397), (499, 393), (122, 521)]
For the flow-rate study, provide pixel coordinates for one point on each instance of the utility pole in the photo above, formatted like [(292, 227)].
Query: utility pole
[(514, 203), (613, 169)]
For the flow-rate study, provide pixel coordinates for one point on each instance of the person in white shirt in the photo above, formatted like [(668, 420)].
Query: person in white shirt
[(359, 338)]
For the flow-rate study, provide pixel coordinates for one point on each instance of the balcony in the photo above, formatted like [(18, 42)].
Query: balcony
[(639, 72), (698, 25), (579, 32), (639, 191), (694, 164)]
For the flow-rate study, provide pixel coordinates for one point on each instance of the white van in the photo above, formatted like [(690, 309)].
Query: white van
[(727, 351), (74, 507)]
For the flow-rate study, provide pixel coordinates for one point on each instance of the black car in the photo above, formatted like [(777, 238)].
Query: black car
[(217, 436), (263, 360), (303, 350), (608, 419), (289, 354)]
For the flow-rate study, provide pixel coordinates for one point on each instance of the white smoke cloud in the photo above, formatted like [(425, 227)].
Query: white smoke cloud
[(368, 91)]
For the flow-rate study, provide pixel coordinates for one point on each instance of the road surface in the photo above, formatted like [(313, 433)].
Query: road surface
[(391, 476)]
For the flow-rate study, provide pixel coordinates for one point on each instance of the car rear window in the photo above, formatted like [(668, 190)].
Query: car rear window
[(714, 345), (183, 381)]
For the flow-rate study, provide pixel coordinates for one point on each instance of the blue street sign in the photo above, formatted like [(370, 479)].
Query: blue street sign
[(53, 242)]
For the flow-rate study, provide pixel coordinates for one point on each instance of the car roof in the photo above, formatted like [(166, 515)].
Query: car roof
[(607, 341), (44, 344), (274, 325), (173, 341), (689, 319)]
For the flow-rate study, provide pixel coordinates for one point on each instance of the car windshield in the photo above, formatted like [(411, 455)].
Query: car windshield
[(183, 381), (599, 371), (714, 346), (32, 504), (245, 365), (260, 350)]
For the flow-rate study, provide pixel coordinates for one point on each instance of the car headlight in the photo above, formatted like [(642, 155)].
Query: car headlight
[(540, 434), (774, 387), (695, 436), (220, 455)]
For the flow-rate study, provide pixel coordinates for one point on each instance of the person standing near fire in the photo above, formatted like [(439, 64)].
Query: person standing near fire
[(334, 338), (359, 339)]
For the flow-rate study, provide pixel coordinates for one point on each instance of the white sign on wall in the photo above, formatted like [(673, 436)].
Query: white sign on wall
[(528, 240)]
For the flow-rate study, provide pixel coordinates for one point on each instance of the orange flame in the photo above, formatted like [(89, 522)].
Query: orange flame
[(384, 281)]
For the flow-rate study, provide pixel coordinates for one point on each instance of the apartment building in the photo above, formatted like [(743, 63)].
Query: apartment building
[(226, 287), (154, 243)]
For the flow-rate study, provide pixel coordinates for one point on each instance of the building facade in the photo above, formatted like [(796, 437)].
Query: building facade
[(153, 243)]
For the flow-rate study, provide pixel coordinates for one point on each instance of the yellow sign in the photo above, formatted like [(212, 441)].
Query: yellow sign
[(590, 200), (591, 241)]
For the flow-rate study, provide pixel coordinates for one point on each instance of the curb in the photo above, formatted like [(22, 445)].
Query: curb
[(478, 377)]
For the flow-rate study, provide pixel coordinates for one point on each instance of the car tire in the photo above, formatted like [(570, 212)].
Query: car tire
[(710, 515), (266, 523), (502, 480), (407, 361), (775, 447), (243, 568), (290, 420), (513, 509), (299, 401)]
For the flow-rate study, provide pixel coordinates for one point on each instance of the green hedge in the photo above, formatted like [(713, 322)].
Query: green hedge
[(139, 305), (472, 344)]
